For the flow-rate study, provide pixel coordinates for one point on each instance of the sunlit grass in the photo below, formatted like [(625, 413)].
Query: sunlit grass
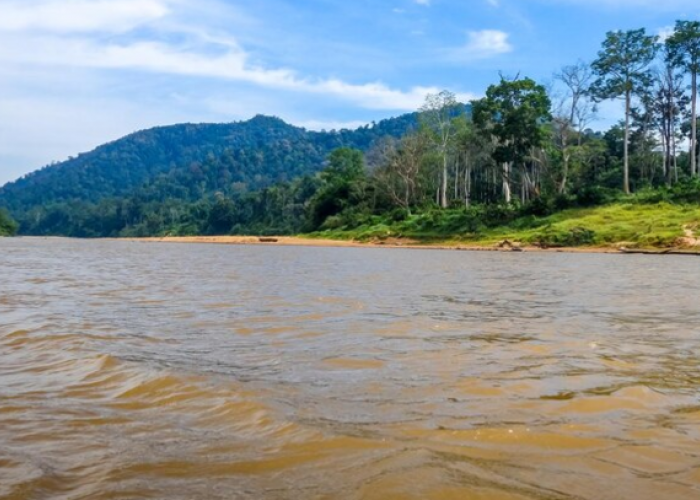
[(659, 225), (632, 224)]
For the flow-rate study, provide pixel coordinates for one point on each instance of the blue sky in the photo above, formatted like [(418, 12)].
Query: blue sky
[(77, 73)]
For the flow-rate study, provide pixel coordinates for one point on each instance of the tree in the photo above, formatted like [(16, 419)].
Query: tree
[(8, 227), (622, 70), (344, 164), (572, 114), (644, 140), (473, 155), (436, 116), (222, 215), (667, 103), (399, 171), (512, 113), (343, 182), (684, 51)]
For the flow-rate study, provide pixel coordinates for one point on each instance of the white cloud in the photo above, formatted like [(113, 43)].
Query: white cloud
[(70, 16), (423, 2), (57, 34), (485, 43), (76, 73), (206, 62)]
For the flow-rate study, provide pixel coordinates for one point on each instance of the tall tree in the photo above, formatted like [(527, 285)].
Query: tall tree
[(573, 112), (622, 70), (472, 154), (513, 113), (684, 50), (667, 103), (436, 116), (400, 167)]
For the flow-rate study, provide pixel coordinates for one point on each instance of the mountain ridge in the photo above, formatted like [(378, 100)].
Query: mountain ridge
[(188, 161), (175, 149)]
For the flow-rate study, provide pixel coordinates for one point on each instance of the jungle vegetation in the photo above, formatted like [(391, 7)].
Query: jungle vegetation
[(524, 157)]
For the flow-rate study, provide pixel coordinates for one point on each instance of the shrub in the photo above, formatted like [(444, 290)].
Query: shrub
[(332, 222), (573, 237), (398, 215), (591, 196), (540, 207)]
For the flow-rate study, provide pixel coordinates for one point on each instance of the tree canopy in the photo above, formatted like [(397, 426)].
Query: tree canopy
[(622, 67)]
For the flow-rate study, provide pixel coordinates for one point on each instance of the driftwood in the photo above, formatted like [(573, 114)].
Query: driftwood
[(265, 239), (513, 247)]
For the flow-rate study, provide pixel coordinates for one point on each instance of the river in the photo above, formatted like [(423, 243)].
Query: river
[(134, 370)]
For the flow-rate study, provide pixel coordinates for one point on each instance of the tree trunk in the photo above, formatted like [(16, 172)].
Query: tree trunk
[(694, 127), (626, 166), (408, 198), (565, 173), (467, 184), (674, 155), (456, 197), (506, 183), (666, 147), (671, 142), (443, 190)]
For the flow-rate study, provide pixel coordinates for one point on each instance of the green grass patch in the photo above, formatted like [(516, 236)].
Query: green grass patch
[(645, 225), (656, 225)]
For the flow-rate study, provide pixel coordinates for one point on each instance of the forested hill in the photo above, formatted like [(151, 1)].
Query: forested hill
[(187, 162)]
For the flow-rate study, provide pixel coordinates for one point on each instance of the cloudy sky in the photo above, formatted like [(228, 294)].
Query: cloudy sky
[(77, 73)]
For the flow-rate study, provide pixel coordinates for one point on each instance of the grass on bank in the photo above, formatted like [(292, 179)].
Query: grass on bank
[(656, 225)]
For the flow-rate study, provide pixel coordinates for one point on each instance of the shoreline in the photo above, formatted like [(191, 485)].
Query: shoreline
[(391, 243)]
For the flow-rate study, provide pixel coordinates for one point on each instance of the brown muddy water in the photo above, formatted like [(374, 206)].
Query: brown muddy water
[(133, 370)]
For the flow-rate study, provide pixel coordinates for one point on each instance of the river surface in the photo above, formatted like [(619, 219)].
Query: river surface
[(134, 370)]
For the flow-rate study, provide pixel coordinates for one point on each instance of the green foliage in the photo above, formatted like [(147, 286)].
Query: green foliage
[(8, 227), (684, 45), (513, 112), (622, 63), (634, 222), (164, 180), (222, 216), (683, 49), (573, 237), (346, 165), (342, 190), (622, 69), (687, 191)]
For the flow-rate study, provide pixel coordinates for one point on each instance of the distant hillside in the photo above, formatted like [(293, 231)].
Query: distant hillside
[(189, 161)]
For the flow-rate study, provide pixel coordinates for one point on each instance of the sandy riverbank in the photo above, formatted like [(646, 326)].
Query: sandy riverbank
[(389, 243)]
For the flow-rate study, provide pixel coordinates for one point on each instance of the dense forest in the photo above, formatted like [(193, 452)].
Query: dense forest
[(525, 150), (8, 227), (123, 183)]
